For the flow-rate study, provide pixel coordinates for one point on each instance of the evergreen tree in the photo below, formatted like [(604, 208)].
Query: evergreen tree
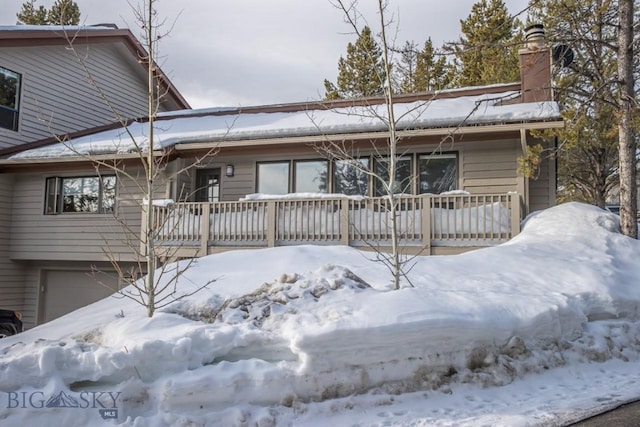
[(361, 73), (487, 52), (63, 12), (32, 15), (420, 70), (588, 146)]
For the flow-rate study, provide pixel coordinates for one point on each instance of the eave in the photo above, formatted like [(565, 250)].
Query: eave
[(197, 145)]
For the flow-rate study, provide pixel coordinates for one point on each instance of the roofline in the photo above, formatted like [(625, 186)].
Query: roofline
[(273, 108), (196, 145), (90, 35)]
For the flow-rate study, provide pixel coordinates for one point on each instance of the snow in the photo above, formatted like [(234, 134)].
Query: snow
[(542, 330), (212, 127)]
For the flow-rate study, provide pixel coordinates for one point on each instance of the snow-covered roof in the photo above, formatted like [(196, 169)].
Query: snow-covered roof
[(57, 28), (222, 125)]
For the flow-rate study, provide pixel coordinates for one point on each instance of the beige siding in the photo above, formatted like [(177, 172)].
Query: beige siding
[(542, 187), (11, 273), (74, 236), (490, 166), (242, 183), (56, 96), (31, 289)]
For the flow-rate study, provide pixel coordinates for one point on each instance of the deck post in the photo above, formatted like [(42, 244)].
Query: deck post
[(515, 213), (425, 226), (271, 223), (204, 228), (344, 221)]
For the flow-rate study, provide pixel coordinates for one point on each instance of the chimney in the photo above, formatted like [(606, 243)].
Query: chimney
[(535, 66)]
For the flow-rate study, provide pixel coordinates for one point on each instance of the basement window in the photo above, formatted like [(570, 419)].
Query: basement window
[(9, 99), (86, 194)]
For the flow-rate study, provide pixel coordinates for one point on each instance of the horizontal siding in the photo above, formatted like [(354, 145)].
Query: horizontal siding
[(241, 184), (56, 96), (490, 166), (78, 237), (541, 191), (11, 274)]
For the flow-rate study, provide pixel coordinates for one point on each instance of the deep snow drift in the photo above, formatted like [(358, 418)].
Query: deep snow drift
[(315, 336)]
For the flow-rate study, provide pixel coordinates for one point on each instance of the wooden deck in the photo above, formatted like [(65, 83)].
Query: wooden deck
[(425, 223)]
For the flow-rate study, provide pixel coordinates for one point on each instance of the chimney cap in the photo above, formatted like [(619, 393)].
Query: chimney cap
[(534, 36)]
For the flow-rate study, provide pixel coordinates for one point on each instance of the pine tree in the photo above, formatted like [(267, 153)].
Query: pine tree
[(63, 12), (361, 73), (487, 51), (420, 70), (30, 15), (588, 146), (431, 73)]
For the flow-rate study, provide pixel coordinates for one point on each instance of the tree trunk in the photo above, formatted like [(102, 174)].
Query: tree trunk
[(627, 143), (151, 250)]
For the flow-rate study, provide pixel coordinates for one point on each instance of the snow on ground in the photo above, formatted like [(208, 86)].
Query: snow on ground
[(541, 330)]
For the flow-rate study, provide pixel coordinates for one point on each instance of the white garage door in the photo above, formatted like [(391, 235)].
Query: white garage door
[(65, 291)]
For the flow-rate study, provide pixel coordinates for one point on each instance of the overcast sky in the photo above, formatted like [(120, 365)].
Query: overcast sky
[(250, 52)]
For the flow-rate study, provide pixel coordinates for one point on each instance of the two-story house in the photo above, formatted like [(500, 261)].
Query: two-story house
[(55, 81), (287, 174)]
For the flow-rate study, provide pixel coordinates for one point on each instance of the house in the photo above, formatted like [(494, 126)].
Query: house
[(46, 93), (46, 90), (273, 175)]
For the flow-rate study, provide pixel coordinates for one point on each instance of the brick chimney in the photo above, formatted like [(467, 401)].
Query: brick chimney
[(535, 66)]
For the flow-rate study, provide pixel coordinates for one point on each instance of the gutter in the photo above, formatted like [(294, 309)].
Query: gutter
[(200, 144), (307, 139)]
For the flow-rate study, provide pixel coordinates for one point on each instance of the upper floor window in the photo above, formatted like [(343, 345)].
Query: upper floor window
[(95, 194), (9, 99)]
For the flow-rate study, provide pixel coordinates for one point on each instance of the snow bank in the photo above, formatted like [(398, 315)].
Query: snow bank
[(293, 325)]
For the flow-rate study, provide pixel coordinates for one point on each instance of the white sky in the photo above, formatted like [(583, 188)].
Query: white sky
[(249, 52)]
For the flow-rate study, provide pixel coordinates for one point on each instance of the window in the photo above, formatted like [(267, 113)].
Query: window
[(310, 176), (438, 173), (351, 179), (9, 99), (273, 178), (94, 194), (402, 183)]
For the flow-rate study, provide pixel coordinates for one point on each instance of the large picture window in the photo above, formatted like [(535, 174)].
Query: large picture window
[(311, 176), (89, 194), (437, 173), (402, 182), (273, 178), (351, 178), (9, 99)]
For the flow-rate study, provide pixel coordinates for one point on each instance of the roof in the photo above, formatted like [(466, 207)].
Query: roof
[(49, 35), (476, 108)]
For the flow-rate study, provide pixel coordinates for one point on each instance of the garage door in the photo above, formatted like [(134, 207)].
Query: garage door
[(65, 291)]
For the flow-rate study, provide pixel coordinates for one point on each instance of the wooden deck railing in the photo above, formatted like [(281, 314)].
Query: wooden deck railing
[(423, 221)]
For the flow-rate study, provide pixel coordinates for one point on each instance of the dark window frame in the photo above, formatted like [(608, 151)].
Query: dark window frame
[(10, 113), (294, 173), (54, 197), (443, 155), (287, 162), (334, 178)]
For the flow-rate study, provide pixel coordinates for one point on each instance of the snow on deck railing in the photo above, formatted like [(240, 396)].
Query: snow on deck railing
[(426, 220)]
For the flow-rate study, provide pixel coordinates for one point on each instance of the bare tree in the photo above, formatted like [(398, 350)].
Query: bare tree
[(160, 286)]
